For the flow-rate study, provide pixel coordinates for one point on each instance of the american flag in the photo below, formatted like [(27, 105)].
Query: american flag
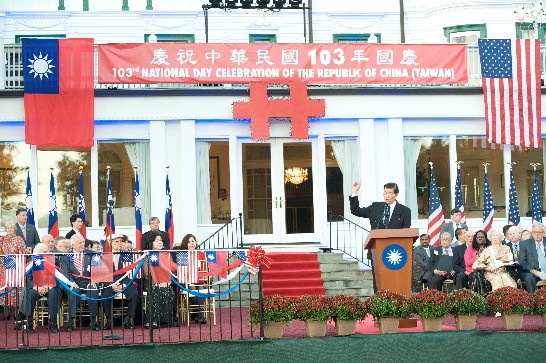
[(15, 270), (242, 256), (513, 207), (535, 201), (127, 259), (188, 267), (488, 210), (459, 196), (511, 88), (480, 142), (435, 214)]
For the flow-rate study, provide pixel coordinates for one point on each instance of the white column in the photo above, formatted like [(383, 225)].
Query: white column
[(507, 154), (34, 181), (320, 197), (95, 187), (157, 170), (366, 141), (452, 166), (396, 156), (235, 182), (188, 185)]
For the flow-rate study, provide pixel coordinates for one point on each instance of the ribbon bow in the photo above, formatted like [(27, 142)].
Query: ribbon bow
[(256, 257)]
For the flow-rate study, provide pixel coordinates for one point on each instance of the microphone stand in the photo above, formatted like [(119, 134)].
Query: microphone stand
[(112, 336)]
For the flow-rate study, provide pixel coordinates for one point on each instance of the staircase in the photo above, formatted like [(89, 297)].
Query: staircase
[(338, 276)]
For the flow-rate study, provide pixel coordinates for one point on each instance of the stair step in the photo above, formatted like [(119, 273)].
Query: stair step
[(291, 257), (301, 265), (292, 274), (293, 282), (356, 291), (295, 291)]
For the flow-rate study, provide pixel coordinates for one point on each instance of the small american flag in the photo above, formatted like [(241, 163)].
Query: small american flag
[(535, 201), (128, 259), (188, 266), (459, 196), (242, 256), (435, 214), (511, 89), (15, 270), (488, 210), (513, 207)]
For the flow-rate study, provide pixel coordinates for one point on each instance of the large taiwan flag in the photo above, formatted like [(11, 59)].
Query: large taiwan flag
[(59, 94)]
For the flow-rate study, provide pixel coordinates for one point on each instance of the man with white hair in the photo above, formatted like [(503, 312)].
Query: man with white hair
[(532, 258), (49, 241), (33, 293), (513, 242)]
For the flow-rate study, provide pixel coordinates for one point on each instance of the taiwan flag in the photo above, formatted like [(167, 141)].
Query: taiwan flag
[(81, 206), (160, 266), (169, 218), (217, 262), (59, 92), (138, 215), (53, 226), (43, 276), (102, 267)]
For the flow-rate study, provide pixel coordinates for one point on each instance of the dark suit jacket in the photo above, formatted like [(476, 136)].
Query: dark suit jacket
[(421, 260), (448, 227), (528, 257), (32, 235), (70, 271), (458, 258), (400, 216), (147, 243), (435, 259), (70, 234)]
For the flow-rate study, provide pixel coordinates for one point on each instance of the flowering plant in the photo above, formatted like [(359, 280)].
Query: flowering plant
[(509, 300), (311, 307), (347, 307), (539, 299), (388, 304), (275, 308), (466, 302), (430, 303)]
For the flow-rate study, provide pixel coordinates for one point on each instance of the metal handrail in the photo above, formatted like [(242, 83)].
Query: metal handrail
[(349, 238), (230, 235)]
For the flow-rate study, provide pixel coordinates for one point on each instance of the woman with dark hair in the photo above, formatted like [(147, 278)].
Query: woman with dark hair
[(189, 242), (476, 278)]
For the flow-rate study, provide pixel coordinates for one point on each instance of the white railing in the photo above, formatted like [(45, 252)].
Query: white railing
[(13, 76)]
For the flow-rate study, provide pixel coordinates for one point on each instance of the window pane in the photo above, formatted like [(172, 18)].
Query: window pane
[(121, 157), (524, 176), (334, 183), (219, 189), (66, 173), (434, 150), (15, 157), (473, 151)]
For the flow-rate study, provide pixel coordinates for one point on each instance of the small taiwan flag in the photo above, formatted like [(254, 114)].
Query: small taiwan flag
[(217, 262), (43, 270), (160, 266), (102, 267)]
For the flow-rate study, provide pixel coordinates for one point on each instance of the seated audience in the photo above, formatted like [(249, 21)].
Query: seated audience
[(421, 255), (461, 273), (441, 262), (459, 237), (532, 258), (476, 277), (492, 260)]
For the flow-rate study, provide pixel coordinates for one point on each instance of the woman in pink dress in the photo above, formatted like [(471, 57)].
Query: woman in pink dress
[(10, 244), (476, 278)]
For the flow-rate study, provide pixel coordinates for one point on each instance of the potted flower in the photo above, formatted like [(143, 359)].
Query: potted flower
[(512, 304), (278, 311), (539, 306), (466, 305), (346, 310), (431, 305), (315, 310), (387, 308)]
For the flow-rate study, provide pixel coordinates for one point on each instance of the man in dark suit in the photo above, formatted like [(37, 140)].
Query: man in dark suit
[(72, 266), (532, 258), (441, 262), (421, 255), (146, 237), (130, 293), (33, 293), (461, 275), (454, 223), (388, 214), (76, 222), (514, 243), (25, 230)]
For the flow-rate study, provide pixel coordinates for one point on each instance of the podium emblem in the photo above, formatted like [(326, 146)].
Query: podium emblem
[(394, 257)]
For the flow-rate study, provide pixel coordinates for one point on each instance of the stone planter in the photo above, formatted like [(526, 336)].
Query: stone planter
[(345, 327), (315, 328), (274, 329), (388, 325), (512, 321), (432, 324), (466, 322)]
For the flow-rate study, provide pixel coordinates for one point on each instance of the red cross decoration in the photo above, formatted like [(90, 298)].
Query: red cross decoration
[(259, 109)]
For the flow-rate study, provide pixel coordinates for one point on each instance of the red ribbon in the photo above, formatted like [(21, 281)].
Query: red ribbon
[(256, 257)]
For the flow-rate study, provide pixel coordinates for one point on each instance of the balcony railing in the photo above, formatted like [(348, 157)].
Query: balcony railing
[(13, 77)]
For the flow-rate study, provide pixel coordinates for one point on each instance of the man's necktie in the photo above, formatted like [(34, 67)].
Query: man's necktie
[(447, 251), (24, 233), (541, 257), (387, 215), (115, 258), (77, 259), (515, 251)]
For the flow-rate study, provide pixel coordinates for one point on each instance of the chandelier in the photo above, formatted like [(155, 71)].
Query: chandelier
[(295, 175)]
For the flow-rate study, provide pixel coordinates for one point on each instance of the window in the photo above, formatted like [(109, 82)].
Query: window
[(473, 151), (355, 38), (262, 38), (65, 168), (334, 182), (465, 34), (524, 176), (527, 31), (15, 158), (171, 38)]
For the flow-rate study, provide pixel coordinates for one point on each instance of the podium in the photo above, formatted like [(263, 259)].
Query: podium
[(392, 261)]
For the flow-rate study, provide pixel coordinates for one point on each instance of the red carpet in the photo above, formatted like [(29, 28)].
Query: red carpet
[(293, 274)]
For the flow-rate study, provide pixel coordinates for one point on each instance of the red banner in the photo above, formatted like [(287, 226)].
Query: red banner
[(283, 63)]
